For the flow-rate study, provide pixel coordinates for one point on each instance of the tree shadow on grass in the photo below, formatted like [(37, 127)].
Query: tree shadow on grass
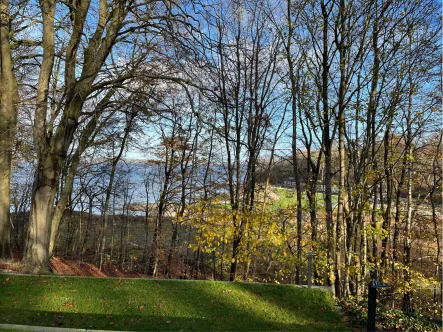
[(314, 308), (102, 321), (141, 323), (146, 305)]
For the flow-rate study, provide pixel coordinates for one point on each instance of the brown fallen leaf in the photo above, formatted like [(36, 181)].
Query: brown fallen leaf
[(141, 307)]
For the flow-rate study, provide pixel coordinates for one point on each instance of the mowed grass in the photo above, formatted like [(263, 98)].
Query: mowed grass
[(146, 305)]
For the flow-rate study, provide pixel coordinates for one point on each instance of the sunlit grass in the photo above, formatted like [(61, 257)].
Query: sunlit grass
[(143, 305), (288, 199)]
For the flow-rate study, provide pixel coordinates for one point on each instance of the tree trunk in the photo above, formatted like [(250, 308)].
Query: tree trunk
[(155, 246), (110, 185), (407, 296), (294, 79), (87, 136), (436, 179), (146, 224), (342, 198), (370, 139), (53, 142), (49, 162), (5, 222), (87, 229), (327, 143), (235, 249), (396, 236), (8, 118), (39, 228), (61, 206)]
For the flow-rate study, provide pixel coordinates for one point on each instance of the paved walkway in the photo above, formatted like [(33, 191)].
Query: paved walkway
[(44, 328)]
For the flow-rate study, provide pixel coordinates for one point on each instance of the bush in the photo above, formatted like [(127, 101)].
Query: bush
[(388, 319)]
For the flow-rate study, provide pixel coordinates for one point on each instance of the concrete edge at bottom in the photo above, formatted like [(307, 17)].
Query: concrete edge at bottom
[(48, 329)]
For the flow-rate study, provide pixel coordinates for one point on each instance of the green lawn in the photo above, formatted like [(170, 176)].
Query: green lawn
[(288, 198), (144, 305)]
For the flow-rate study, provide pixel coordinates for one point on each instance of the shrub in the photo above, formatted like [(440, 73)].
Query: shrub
[(388, 319)]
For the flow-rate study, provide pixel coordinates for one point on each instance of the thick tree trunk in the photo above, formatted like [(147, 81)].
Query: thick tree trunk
[(36, 253), (50, 160), (52, 142), (5, 223), (8, 119)]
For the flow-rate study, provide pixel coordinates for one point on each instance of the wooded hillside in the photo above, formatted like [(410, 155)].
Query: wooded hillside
[(262, 130)]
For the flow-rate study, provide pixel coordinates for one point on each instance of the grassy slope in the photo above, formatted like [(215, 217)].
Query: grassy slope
[(128, 304)]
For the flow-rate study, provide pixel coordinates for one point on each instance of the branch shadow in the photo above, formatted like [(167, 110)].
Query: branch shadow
[(154, 305)]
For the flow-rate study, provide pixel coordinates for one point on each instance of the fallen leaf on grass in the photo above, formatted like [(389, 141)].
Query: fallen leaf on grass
[(141, 307)]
